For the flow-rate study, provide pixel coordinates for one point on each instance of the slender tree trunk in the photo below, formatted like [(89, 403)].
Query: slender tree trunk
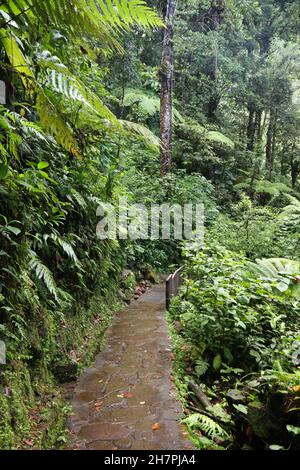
[(258, 126), (250, 130), (269, 145), (217, 10), (166, 80), (294, 166)]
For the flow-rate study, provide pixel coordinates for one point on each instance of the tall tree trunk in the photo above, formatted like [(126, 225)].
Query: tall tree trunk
[(258, 126), (294, 166), (269, 145), (216, 17), (250, 130), (166, 80)]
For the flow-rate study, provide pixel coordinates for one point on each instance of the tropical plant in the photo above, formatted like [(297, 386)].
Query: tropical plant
[(284, 272)]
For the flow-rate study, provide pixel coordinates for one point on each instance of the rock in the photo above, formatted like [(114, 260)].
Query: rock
[(121, 295), (265, 424), (236, 395), (178, 326), (151, 276), (126, 273)]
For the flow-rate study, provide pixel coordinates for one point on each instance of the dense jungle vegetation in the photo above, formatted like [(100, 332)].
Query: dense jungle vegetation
[(158, 101)]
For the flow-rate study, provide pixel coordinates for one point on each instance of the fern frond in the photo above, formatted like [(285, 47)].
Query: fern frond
[(207, 425), (293, 209), (73, 89), (142, 131), (43, 273), (54, 123), (66, 247), (28, 127), (78, 198), (219, 138), (148, 104), (100, 19)]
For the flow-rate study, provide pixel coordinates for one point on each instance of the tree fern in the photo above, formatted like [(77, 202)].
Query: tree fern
[(148, 104), (72, 88), (264, 187), (100, 19), (56, 124), (141, 130), (293, 209), (219, 138), (214, 137)]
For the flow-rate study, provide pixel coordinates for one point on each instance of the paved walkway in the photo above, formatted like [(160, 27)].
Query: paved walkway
[(127, 400)]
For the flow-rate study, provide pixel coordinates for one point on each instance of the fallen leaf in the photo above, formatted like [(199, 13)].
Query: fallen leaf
[(126, 395), (155, 426), (28, 442), (98, 405)]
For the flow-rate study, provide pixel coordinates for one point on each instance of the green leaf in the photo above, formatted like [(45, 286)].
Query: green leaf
[(14, 230), (3, 171), (242, 408), (217, 362), (293, 429), (42, 165)]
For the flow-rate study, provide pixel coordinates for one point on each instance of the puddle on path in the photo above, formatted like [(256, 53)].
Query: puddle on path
[(128, 391)]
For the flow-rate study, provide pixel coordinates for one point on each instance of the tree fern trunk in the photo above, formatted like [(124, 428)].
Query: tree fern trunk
[(166, 79)]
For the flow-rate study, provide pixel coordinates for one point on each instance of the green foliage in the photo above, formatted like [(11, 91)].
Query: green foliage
[(264, 187), (206, 424), (285, 273), (239, 333)]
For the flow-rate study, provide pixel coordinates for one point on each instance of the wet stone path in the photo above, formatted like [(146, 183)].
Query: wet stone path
[(127, 399)]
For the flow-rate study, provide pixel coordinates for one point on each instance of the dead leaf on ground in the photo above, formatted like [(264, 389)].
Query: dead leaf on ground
[(125, 395), (155, 426), (28, 442)]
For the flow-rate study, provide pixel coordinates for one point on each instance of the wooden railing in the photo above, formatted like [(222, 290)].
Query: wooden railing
[(173, 284)]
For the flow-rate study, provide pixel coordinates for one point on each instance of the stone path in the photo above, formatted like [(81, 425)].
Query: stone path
[(127, 400)]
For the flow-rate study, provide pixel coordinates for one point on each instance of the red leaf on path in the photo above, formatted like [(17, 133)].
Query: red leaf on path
[(155, 426), (127, 395), (98, 405), (28, 442)]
